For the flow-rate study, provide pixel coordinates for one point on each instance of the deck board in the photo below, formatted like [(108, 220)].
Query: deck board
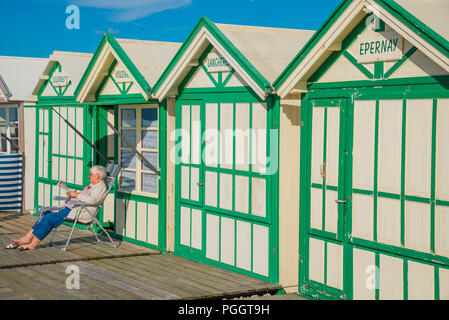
[(126, 272)]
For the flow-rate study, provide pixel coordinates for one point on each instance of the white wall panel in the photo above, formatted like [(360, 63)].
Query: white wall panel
[(120, 216), (227, 240), (258, 196), (391, 278), (242, 135), (444, 283), (131, 219), (363, 147), (331, 214), (185, 139), (418, 147), (316, 260), (195, 135), (334, 268), (227, 135), (210, 192), (226, 191), (241, 193), (211, 135), (442, 150), (442, 230), (364, 275), (185, 187), (390, 146), (212, 236), (260, 249), (194, 180), (417, 226), (141, 221), (316, 208), (259, 137), (421, 281), (389, 221), (333, 148), (185, 226), (196, 229), (362, 216), (317, 144), (153, 224), (243, 258)]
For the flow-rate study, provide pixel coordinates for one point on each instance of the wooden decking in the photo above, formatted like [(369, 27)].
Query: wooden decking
[(126, 272)]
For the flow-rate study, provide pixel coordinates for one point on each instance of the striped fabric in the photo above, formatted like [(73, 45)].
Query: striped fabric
[(10, 182)]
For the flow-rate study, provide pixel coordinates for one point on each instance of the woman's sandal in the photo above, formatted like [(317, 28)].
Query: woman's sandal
[(23, 248), (11, 245)]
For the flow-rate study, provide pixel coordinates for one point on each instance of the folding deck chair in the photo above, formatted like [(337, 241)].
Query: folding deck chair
[(111, 176)]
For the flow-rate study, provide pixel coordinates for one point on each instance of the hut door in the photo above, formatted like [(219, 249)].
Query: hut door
[(328, 200)]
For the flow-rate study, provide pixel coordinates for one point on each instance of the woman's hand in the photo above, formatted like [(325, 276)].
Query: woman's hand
[(72, 194)]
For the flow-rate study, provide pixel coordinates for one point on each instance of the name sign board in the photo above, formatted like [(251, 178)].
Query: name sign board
[(59, 79), (379, 46), (122, 75), (217, 63)]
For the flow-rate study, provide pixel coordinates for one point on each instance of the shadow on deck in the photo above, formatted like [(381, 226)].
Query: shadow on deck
[(126, 272)]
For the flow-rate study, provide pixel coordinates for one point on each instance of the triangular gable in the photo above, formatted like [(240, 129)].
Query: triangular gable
[(339, 25), (205, 35), (111, 72), (61, 75)]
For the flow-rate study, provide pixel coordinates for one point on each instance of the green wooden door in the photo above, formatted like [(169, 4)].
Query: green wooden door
[(223, 213), (328, 199)]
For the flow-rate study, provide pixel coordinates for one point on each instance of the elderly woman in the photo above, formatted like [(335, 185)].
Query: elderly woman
[(93, 194)]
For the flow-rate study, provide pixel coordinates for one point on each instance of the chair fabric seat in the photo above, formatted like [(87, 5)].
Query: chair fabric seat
[(78, 222)]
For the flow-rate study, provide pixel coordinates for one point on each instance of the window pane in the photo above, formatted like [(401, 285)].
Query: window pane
[(2, 144), (128, 180), (14, 131), (128, 117), (149, 183), (129, 135), (152, 158), (149, 139), (128, 159), (149, 117), (14, 145), (2, 114), (13, 114)]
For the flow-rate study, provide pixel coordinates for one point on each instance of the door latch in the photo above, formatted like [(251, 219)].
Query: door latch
[(340, 201), (323, 170), (200, 184)]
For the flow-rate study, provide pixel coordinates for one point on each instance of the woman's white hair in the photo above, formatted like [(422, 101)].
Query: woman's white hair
[(101, 171)]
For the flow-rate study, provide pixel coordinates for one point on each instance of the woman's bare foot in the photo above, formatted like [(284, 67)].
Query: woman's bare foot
[(21, 241)]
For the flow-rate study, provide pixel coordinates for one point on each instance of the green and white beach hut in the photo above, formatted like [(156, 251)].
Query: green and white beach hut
[(374, 166), (228, 136), (117, 87)]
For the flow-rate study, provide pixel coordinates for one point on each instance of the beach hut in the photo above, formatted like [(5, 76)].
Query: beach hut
[(117, 85), (374, 165), (17, 77), (61, 155), (225, 125)]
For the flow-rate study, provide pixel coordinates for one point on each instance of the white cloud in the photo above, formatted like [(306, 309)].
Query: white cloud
[(129, 10)]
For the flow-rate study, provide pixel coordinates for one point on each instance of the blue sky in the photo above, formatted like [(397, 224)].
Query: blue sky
[(35, 28)]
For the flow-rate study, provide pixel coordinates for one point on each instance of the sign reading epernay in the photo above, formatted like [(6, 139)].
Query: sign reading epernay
[(379, 46)]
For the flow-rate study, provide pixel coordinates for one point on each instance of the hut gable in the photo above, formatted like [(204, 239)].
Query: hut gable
[(223, 56), (383, 39), (124, 67), (61, 74)]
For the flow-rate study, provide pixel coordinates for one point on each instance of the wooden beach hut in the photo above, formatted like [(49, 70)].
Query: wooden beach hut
[(374, 167)]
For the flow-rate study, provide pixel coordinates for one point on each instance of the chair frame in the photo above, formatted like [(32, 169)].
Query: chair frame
[(112, 173)]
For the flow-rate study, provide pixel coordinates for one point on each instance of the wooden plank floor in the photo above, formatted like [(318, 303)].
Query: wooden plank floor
[(83, 245), (127, 272)]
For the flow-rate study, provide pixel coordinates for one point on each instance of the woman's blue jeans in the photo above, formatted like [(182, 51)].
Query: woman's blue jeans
[(49, 221)]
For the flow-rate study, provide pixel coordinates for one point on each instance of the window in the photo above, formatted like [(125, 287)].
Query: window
[(9, 129), (140, 126)]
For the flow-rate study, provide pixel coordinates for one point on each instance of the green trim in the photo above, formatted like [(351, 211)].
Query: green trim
[(227, 45), (398, 64)]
